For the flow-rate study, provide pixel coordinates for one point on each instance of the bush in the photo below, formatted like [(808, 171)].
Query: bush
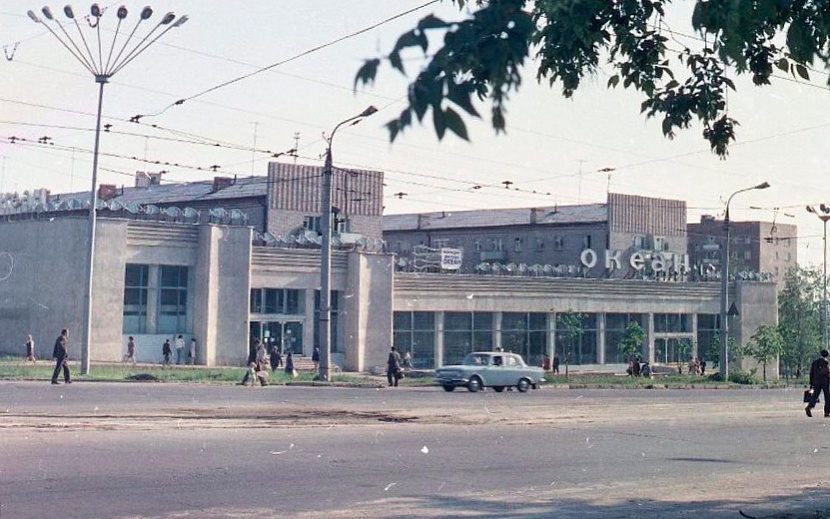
[(742, 377)]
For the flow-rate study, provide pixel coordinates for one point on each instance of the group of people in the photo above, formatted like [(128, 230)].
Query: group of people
[(638, 368), (696, 366), (259, 360), (60, 353), (183, 356)]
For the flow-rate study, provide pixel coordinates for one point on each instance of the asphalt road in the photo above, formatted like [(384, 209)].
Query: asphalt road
[(112, 450)]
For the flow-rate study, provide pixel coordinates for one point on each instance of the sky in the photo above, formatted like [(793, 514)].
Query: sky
[(552, 153)]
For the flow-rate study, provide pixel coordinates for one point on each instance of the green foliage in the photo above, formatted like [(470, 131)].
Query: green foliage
[(799, 307), (569, 326), (632, 340), (766, 345), (742, 377), (482, 56)]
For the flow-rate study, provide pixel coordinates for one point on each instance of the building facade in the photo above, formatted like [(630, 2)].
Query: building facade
[(224, 282), (559, 236), (754, 248)]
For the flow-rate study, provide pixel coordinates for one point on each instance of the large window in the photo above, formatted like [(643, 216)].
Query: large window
[(172, 299), (156, 299), (672, 323), (708, 338), (277, 301), (136, 288), (615, 326), (525, 334), (415, 332), (576, 338), (465, 332)]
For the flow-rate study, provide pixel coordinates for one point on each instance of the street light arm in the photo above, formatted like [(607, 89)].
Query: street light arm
[(763, 185)]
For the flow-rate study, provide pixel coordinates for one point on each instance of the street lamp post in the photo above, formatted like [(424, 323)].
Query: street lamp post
[(823, 213), (325, 253), (723, 366), (103, 61)]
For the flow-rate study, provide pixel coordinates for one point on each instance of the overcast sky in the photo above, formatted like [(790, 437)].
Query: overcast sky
[(552, 151)]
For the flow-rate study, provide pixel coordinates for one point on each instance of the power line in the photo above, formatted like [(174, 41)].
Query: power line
[(292, 58)]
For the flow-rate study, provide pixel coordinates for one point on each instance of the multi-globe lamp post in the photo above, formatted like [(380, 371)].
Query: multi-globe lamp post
[(723, 365), (103, 58), (823, 212), (325, 253)]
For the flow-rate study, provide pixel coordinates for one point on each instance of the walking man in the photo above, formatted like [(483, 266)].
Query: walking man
[(166, 352), (61, 356), (393, 367), (820, 382), (179, 350)]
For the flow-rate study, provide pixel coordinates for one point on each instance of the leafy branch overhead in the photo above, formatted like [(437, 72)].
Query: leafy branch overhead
[(481, 57)]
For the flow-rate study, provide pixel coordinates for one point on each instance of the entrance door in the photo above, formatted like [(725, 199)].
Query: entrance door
[(293, 336), (283, 335)]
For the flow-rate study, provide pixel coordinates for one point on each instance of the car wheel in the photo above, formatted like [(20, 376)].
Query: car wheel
[(449, 389), (523, 385), (498, 389), (474, 384)]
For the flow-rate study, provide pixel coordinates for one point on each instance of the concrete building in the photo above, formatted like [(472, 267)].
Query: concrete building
[(556, 236), (756, 247), (158, 275)]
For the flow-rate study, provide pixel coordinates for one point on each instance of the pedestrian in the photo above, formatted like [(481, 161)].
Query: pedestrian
[(130, 356), (315, 358), (61, 355), (30, 349), (819, 382), (407, 360), (275, 358), (166, 352), (635, 367), (289, 365), (556, 363), (179, 350), (393, 367), (260, 353), (191, 354), (253, 352), (646, 369), (702, 366)]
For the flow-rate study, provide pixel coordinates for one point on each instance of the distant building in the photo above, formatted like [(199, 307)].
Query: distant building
[(755, 247), (557, 236), (230, 260)]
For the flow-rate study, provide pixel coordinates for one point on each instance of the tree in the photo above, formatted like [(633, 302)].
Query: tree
[(799, 316), (766, 345), (569, 326), (483, 56), (632, 340)]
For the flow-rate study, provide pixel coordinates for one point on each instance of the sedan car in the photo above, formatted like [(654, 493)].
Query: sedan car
[(490, 369)]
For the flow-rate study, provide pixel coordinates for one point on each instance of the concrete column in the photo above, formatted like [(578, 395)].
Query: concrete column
[(601, 338), (153, 298), (650, 338), (694, 339), (551, 335), (308, 328), (497, 330), (439, 339)]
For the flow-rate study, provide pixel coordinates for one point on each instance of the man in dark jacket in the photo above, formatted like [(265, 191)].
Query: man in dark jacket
[(820, 382), (61, 355), (393, 367)]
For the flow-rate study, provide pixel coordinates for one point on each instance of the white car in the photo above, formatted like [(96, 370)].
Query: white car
[(490, 369)]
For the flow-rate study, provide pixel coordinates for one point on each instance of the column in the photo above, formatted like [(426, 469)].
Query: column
[(601, 338), (650, 338), (497, 330), (439, 339), (551, 335), (153, 298)]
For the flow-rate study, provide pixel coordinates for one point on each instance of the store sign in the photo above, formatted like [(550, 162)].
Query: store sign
[(657, 261), (451, 259)]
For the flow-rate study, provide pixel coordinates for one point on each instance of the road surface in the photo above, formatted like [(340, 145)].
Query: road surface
[(129, 450)]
